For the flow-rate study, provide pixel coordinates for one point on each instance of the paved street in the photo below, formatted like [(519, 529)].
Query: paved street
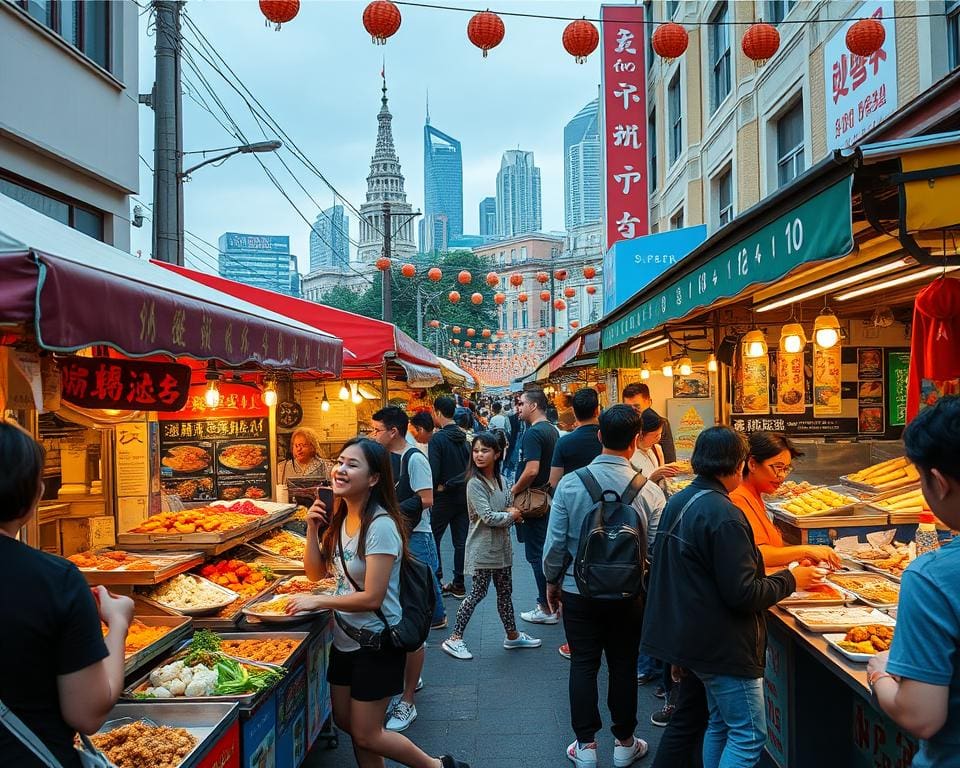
[(503, 708)]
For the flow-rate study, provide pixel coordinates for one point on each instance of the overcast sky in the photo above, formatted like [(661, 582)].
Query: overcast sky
[(319, 77)]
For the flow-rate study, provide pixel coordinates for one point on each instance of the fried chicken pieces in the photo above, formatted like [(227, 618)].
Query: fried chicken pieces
[(139, 745), (872, 638)]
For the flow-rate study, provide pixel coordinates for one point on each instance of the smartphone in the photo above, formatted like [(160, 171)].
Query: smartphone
[(325, 494)]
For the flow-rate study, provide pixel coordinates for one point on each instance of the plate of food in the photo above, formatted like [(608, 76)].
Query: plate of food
[(862, 643), (818, 594), (301, 585), (243, 456), (872, 588), (838, 618), (187, 459), (274, 610), (192, 489)]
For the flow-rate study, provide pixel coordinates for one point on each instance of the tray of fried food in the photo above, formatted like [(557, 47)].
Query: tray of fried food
[(790, 488), (149, 636), (817, 502), (202, 525), (902, 505), (267, 647), (862, 643), (885, 476), (109, 567), (873, 589), (281, 543), (297, 585), (889, 559), (144, 744)]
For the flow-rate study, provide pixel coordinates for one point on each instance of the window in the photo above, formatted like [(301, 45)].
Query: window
[(672, 6), (723, 193), (84, 25), (777, 10), (790, 144), (676, 221), (953, 33), (523, 253), (719, 57), (525, 317), (652, 149), (676, 117), (514, 325), (544, 317), (62, 209)]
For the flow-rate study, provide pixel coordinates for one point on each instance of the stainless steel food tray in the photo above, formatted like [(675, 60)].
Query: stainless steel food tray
[(169, 564), (779, 507), (229, 596), (181, 628), (861, 598), (212, 542), (130, 692)]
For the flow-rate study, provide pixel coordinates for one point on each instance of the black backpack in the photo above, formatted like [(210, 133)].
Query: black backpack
[(611, 562)]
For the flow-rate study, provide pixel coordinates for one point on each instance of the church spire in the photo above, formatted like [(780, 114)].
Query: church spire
[(385, 181)]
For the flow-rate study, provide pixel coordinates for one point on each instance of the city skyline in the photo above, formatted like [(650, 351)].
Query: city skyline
[(330, 240), (582, 168), (262, 261), (442, 188), (519, 201)]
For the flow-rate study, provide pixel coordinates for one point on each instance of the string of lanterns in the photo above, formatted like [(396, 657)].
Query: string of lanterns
[(486, 30)]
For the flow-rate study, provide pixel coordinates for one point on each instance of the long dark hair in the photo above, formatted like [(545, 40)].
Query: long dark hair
[(382, 495), (488, 440), (766, 445)]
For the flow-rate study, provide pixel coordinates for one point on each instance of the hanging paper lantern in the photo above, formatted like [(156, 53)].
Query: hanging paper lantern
[(501, 334), (471, 332), (493, 279), (569, 292), (559, 305), (468, 344), (486, 31), (669, 41), (544, 295), (408, 270), (456, 329), (580, 39), (589, 272), (383, 263), (454, 297), (560, 274), (279, 11), (477, 298), (464, 277), (434, 323), (516, 279), (522, 298), (591, 289), (499, 298), (541, 333), (574, 323), (486, 333), (382, 20), (866, 37), (435, 274), (543, 277), (760, 42), (456, 342)]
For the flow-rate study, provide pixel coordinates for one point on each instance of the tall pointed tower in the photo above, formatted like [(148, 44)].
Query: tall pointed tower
[(385, 185)]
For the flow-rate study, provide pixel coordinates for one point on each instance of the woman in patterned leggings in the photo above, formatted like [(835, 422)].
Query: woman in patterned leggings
[(489, 555)]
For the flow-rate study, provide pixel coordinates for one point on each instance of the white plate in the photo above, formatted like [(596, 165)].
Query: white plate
[(839, 619), (834, 639)]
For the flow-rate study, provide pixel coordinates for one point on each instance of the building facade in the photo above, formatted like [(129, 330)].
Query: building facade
[(723, 133), (442, 188), (330, 240), (263, 261), (519, 210), (582, 168), (488, 217), (80, 167)]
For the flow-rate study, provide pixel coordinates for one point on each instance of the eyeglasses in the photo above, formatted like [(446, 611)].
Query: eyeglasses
[(781, 470)]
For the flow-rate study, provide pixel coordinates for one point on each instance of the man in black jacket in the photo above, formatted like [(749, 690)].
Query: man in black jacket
[(449, 455), (706, 606)]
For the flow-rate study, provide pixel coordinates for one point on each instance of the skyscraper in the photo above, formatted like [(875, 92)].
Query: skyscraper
[(488, 217), (263, 261), (581, 168), (442, 187), (518, 194), (330, 240)]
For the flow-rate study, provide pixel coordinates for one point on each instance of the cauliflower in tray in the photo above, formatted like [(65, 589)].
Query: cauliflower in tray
[(177, 679), (203, 683)]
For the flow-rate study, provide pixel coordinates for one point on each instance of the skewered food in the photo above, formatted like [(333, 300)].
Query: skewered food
[(284, 544), (200, 520), (817, 501), (875, 589), (139, 745), (273, 651), (872, 638), (241, 577), (887, 474), (187, 592)]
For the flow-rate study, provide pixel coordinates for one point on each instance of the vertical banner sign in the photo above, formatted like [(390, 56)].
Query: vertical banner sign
[(624, 80), (756, 385), (790, 383), (826, 381), (776, 692)]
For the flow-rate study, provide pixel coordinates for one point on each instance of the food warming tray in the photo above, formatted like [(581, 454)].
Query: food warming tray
[(181, 628), (834, 640), (870, 575), (218, 541), (229, 596), (779, 507), (168, 565), (838, 618)]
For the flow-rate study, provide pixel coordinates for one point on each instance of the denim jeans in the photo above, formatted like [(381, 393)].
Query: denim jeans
[(534, 536), (649, 666), (423, 548), (737, 730)]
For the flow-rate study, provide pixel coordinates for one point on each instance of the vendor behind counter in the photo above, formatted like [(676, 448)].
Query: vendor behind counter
[(305, 460)]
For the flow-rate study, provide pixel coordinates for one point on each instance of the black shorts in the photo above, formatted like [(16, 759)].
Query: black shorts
[(370, 675)]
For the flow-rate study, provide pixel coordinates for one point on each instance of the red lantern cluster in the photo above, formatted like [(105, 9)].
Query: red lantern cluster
[(866, 37), (279, 12), (435, 274), (580, 39), (760, 43), (408, 270), (670, 40), (486, 31), (382, 20)]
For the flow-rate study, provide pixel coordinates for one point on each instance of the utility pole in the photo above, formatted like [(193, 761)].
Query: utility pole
[(168, 136), (385, 294), (419, 316)]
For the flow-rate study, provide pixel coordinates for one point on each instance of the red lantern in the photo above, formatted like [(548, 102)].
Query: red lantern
[(486, 31), (471, 332), (574, 323), (382, 20), (468, 344), (454, 297), (279, 11), (541, 333), (544, 295), (486, 333), (501, 334), (866, 37), (435, 274), (383, 263), (516, 279), (670, 40), (559, 305), (569, 292), (522, 298), (560, 274), (493, 279), (464, 277), (515, 335), (580, 38), (456, 342), (456, 329), (408, 270), (591, 289), (760, 42), (499, 298), (434, 323), (477, 298), (543, 277), (589, 272)]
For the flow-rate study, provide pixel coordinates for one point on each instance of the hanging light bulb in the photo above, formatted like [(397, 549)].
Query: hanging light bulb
[(685, 365), (792, 338), (324, 404), (667, 369), (754, 344), (712, 363), (269, 393), (212, 394), (644, 370), (357, 398), (826, 329), (344, 392)]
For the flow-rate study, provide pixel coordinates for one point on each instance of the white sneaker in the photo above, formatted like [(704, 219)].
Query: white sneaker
[(522, 641), (624, 756), (539, 616), (457, 649), (403, 715), (582, 757)]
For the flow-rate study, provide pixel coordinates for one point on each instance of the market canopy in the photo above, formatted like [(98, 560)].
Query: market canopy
[(455, 375), (75, 292), (371, 343)]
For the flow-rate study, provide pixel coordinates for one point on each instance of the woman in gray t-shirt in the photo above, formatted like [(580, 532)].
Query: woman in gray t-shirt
[(362, 532)]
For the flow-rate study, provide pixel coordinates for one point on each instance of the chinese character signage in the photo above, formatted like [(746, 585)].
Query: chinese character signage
[(624, 107), (790, 382), (124, 385), (826, 381), (860, 91)]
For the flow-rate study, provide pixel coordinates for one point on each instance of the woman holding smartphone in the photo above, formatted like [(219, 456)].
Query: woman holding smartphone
[(360, 542)]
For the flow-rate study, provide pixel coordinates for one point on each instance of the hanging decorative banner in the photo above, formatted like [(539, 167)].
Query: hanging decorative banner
[(790, 384), (826, 381), (124, 385), (756, 385)]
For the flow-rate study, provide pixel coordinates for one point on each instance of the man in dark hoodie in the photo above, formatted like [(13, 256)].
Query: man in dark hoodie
[(449, 455)]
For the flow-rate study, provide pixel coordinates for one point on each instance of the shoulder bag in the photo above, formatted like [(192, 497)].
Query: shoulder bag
[(90, 756), (532, 503)]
